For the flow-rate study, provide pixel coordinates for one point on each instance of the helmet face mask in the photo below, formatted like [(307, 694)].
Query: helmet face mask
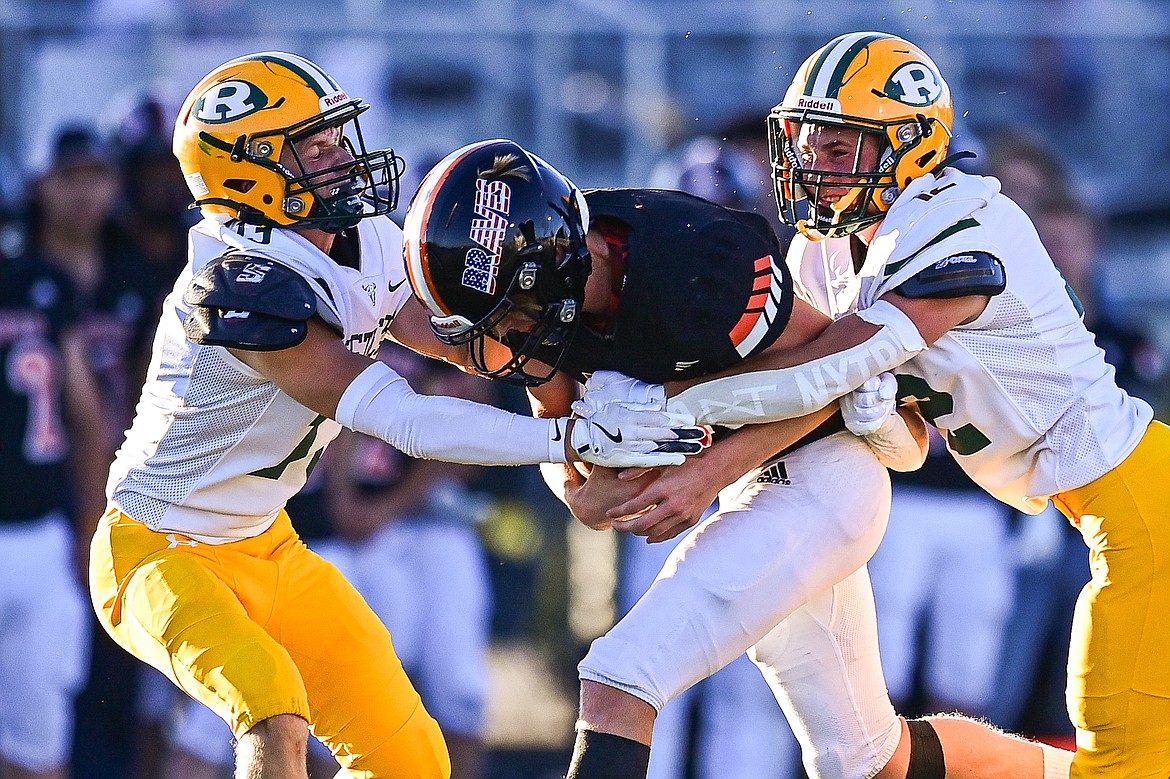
[(524, 327), (853, 185), (881, 90), (239, 126), (495, 248), (339, 193)]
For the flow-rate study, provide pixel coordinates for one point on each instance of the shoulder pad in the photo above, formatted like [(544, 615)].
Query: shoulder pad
[(248, 303), (969, 273)]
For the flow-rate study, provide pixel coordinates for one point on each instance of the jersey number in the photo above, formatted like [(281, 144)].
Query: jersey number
[(33, 370), (300, 452), (934, 404)]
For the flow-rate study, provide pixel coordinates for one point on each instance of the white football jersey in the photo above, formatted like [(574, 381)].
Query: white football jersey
[(216, 449), (1023, 395)]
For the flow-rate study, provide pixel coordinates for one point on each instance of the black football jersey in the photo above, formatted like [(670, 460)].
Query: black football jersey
[(117, 321), (36, 306), (705, 286)]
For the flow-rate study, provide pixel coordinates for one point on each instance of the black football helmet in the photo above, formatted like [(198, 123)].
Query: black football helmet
[(495, 248)]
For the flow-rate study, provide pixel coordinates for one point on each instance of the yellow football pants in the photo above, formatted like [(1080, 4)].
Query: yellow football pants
[(261, 627), (1119, 659)]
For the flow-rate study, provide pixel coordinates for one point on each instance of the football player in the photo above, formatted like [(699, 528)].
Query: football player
[(295, 276), (661, 284), (911, 253)]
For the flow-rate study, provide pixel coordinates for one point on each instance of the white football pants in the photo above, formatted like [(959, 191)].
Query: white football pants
[(780, 569)]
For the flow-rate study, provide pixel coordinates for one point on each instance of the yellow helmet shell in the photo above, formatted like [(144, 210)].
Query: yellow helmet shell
[(875, 83), (235, 123)]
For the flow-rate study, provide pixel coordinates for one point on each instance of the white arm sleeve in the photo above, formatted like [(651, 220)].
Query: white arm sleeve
[(380, 403), (766, 396)]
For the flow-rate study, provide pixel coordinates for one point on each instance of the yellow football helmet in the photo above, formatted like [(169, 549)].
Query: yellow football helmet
[(236, 122), (882, 86)]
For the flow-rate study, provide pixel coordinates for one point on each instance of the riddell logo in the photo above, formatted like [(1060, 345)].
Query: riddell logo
[(818, 103), (331, 100)]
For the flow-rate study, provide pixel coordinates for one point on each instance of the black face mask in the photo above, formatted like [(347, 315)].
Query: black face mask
[(366, 186), (340, 212)]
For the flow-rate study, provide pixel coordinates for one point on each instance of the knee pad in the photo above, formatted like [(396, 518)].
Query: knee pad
[(926, 752)]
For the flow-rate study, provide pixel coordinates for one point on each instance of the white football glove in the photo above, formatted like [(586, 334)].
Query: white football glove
[(605, 387), (621, 436), (867, 409)]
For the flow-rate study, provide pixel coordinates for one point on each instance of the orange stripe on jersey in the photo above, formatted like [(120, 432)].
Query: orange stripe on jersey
[(756, 305), (744, 326)]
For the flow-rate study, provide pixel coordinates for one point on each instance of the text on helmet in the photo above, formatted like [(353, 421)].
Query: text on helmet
[(819, 103), (493, 203), (336, 98)]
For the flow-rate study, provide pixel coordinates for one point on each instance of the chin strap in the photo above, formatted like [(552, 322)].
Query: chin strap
[(337, 214)]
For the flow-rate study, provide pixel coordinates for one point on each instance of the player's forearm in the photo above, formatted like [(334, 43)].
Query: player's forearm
[(380, 403), (848, 353), (369, 397), (91, 449), (752, 445)]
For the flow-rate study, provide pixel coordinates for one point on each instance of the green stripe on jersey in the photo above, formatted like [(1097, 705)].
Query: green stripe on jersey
[(957, 227)]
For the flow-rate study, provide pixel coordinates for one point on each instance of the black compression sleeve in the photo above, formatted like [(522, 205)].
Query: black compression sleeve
[(605, 756)]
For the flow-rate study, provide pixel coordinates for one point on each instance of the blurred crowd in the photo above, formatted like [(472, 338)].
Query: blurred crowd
[(974, 601)]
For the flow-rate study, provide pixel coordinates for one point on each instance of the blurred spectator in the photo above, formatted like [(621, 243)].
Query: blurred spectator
[(52, 468), (1026, 166), (71, 228), (942, 582), (155, 212), (716, 170), (1071, 234), (729, 167)]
